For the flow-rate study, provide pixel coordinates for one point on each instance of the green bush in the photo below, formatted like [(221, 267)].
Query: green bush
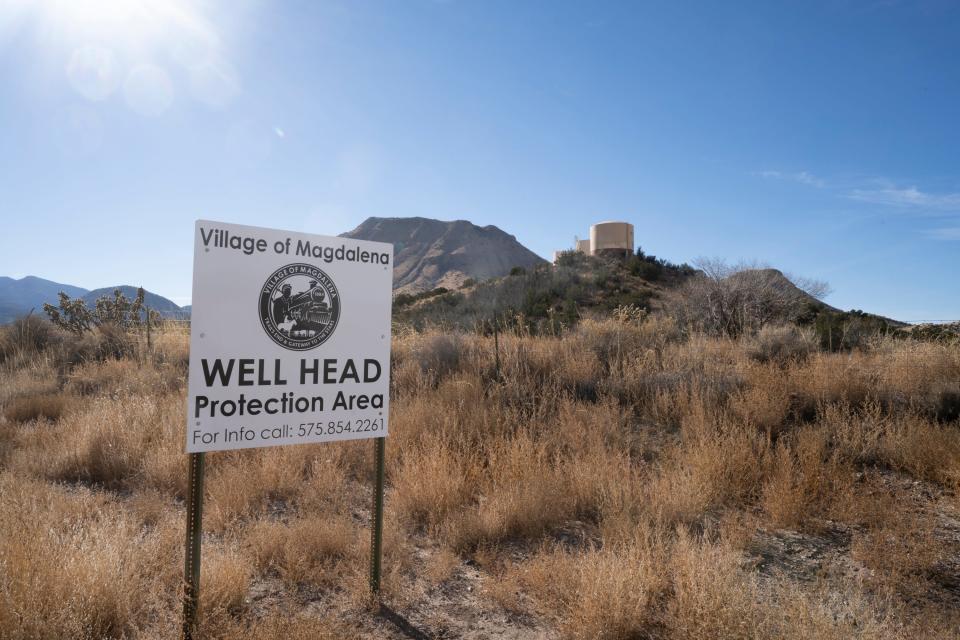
[(570, 259), (406, 299), (846, 330)]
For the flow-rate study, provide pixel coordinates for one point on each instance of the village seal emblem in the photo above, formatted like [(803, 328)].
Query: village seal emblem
[(299, 306)]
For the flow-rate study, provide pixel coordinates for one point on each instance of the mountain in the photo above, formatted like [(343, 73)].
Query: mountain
[(18, 297), (435, 253)]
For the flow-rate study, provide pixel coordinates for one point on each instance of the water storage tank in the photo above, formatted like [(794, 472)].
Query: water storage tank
[(583, 246), (612, 237)]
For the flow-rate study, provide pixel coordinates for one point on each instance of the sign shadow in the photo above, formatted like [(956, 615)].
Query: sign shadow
[(403, 624)]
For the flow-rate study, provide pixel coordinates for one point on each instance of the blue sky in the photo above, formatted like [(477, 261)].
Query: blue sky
[(819, 137)]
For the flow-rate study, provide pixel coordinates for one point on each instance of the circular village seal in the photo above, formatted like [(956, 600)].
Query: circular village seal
[(299, 306)]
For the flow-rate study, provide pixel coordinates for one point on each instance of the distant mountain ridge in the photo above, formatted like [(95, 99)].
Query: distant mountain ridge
[(432, 253), (156, 302), (427, 254), (19, 296)]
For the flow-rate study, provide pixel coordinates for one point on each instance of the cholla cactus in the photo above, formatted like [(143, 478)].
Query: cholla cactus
[(120, 311), (72, 314)]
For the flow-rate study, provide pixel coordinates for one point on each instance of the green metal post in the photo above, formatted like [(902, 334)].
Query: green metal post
[(376, 524), (496, 348), (191, 566)]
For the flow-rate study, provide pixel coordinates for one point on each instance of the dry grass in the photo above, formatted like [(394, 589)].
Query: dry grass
[(46, 406), (611, 483), (307, 551), (610, 594)]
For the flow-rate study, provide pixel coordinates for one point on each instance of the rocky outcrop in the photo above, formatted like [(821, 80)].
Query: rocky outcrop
[(435, 253)]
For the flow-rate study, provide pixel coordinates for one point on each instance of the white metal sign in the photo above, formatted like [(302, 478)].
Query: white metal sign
[(289, 340)]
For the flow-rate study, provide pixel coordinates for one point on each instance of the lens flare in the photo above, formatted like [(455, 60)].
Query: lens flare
[(104, 46), (124, 24)]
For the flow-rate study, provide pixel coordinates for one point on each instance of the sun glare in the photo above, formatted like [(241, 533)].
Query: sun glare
[(134, 47), (122, 22)]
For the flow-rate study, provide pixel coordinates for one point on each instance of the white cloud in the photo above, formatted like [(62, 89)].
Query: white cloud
[(802, 177), (910, 197)]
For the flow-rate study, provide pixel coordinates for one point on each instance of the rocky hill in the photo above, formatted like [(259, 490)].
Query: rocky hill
[(435, 253), (547, 296), (725, 302)]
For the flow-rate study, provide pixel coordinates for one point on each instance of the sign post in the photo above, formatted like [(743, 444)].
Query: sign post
[(289, 344), (376, 520), (191, 566)]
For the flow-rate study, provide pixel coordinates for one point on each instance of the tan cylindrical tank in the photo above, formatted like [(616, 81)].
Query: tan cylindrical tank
[(583, 246), (611, 236)]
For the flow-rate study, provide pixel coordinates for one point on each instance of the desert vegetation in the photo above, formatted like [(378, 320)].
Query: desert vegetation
[(624, 477), (545, 299)]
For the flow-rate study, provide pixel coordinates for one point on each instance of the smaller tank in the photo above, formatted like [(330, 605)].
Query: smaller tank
[(611, 237)]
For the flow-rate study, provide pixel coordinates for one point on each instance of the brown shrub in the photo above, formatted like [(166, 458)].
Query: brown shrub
[(719, 463), (907, 442), (947, 408), (24, 337), (438, 354), (122, 377), (308, 550), (106, 442), (898, 543), (765, 402), (39, 377), (805, 480), (432, 482), (239, 483), (596, 594), (47, 406), (781, 344), (171, 347), (74, 566), (523, 496), (224, 582)]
